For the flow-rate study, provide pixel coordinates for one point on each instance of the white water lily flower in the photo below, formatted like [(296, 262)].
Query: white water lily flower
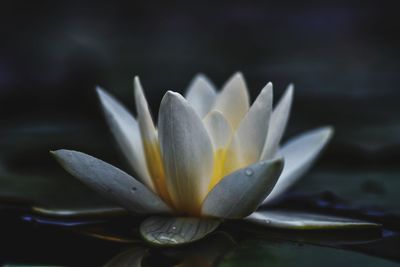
[(211, 156)]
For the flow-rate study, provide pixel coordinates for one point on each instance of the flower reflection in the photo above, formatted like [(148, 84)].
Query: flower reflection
[(205, 253)]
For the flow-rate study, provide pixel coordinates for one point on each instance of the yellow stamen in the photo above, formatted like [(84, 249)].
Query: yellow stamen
[(156, 169), (219, 163), (225, 162)]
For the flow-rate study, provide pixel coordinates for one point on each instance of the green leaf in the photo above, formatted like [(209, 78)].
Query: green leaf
[(171, 231)]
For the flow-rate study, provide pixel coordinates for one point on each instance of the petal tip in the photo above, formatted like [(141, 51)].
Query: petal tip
[(237, 77), (100, 91), (238, 74), (137, 87), (56, 152), (173, 95), (327, 131), (136, 81), (200, 77)]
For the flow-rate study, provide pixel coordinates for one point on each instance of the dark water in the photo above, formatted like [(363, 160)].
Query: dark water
[(38, 237)]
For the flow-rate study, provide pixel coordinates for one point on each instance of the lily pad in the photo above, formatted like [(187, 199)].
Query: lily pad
[(275, 253), (172, 231), (376, 188)]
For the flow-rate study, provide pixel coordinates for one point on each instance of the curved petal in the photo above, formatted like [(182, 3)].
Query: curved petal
[(299, 154), (221, 134), (172, 231), (277, 125), (233, 101), (240, 193), (253, 129), (150, 141), (111, 182), (218, 128), (187, 152), (297, 220), (201, 94), (126, 131), (145, 120)]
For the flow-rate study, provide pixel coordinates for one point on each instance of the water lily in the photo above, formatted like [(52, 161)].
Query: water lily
[(211, 157)]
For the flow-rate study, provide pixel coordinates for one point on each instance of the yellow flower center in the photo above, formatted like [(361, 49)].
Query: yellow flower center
[(156, 169), (225, 162)]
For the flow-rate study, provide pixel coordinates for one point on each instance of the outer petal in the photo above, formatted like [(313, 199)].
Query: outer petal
[(240, 193), (253, 129), (126, 131), (150, 141), (233, 101), (201, 94), (277, 125), (299, 154), (218, 128), (170, 231), (305, 221), (111, 182), (186, 150), (146, 124)]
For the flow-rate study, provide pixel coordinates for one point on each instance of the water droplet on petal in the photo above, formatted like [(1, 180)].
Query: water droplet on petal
[(249, 172), (133, 189)]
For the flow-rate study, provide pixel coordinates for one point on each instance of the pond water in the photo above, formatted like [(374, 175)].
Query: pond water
[(59, 233), (44, 219)]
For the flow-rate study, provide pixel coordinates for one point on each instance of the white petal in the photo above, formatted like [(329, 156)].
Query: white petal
[(218, 128), (299, 154), (186, 150), (240, 193), (126, 131), (253, 129), (111, 182), (173, 231), (150, 141), (296, 220), (233, 101), (201, 94), (146, 123), (277, 124)]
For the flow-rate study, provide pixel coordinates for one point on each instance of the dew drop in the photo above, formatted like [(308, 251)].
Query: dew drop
[(267, 221), (173, 227), (249, 172), (133, 189)]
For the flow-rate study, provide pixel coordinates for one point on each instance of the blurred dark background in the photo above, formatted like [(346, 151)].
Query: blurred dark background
[(342, 57)]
